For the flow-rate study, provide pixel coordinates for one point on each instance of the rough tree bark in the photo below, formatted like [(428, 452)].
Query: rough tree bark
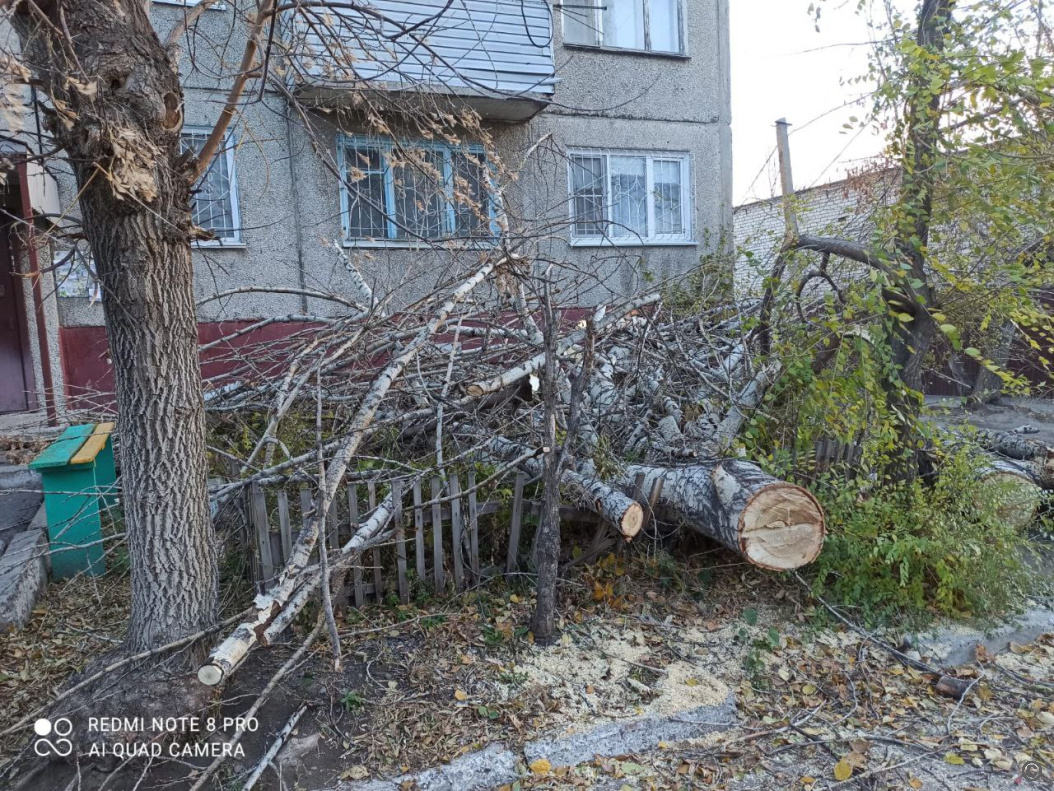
[(543, 624), (118, 115), (772, 523)]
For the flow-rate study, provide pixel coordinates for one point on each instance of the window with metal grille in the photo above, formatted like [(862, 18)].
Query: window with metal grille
[(630, 197), (214, 202), (399, 194)]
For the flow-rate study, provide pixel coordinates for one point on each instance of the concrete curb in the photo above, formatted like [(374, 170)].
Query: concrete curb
[(621, 738), (478, 771), (18, 476), (950, 647), (498, 765), (24, 572)]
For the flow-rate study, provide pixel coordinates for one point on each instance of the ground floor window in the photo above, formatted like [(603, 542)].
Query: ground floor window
[(214, 202), (406, 192), (630, 197)]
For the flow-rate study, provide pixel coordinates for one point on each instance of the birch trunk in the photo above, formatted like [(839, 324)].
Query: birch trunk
[(772, 523)]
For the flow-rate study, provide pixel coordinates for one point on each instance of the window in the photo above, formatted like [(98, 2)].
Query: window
[(647, 25), (402, 194), (629, 198), (214, 202), (75, 274)]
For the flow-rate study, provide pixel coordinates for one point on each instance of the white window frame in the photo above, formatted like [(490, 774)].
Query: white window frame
[(190, 4), (346, 142), (598, 24), (684, 239), (227, 151)]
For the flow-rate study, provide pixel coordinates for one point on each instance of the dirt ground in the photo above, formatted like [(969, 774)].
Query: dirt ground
[(643, 633)]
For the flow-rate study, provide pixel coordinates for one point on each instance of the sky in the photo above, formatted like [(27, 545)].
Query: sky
[(783, 68)]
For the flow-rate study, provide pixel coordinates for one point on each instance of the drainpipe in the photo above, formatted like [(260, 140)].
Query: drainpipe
[(38, 297)]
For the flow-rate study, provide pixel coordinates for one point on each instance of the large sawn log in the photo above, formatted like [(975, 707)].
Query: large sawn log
[(772, 523), (1016, 490)]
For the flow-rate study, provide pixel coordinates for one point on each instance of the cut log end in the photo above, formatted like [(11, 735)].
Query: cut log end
[(1017, 498), (632, 521), (782, 527), (210, 675)]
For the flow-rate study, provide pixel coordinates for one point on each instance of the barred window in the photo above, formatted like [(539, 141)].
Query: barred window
[(410, 192), (629, 197), (214, 203)]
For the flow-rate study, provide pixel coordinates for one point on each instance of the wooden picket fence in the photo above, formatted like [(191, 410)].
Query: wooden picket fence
[(829, 455), (444, 531)]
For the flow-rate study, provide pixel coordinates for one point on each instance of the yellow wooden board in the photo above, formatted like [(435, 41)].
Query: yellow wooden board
[(95, 443)]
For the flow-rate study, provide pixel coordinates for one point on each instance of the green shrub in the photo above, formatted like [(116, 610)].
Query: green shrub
[(914, 549)]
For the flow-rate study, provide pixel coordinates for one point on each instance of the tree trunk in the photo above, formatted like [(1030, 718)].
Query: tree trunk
[(120, 102), (772, 523), (988, 386), (543, 624)]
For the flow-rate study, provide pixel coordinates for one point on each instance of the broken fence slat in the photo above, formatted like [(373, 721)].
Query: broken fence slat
[(378, 571), (473, 527), (258, 515), (511, 559), (284, 527), (356, 570), (400, 541), (332, 540), (457, 531), (437, 535), (419, 531)]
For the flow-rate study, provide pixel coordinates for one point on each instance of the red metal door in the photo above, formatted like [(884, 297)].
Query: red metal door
[(13, 390)]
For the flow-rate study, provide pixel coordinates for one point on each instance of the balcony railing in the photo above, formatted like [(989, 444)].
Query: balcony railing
[(494, 55)]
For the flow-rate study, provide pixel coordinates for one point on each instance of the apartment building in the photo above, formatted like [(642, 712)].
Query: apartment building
[(615, 117)]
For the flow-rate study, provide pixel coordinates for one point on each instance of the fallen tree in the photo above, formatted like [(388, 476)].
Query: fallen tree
[(772, 523)]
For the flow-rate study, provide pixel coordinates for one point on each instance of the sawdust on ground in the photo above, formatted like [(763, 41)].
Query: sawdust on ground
[(598, 673)]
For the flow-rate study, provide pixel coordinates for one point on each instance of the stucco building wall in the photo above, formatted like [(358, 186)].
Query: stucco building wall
[(289, 194)]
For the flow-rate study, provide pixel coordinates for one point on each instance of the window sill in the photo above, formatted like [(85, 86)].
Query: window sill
[(219, 245), (446, 244), (632, 243), (189, 4), (649, 53)]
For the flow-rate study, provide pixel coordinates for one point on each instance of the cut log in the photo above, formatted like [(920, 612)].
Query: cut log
[(1013, 445), (1015, 488), (772, 523)]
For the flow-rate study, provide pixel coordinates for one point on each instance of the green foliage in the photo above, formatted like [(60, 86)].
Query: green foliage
[(353, 701), (912, 549)]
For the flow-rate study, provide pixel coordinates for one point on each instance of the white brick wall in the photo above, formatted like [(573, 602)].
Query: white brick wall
[(842, 208)]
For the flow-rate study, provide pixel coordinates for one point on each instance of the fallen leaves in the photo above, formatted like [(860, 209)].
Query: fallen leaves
[(540, 766), (843, 770)]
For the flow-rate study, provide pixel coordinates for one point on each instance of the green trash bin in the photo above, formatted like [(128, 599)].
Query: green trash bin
[(78, 474)]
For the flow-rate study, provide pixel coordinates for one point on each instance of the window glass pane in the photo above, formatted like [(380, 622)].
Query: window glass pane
[(664, 26), (629, 197), (420, 205), (211, 204), (471, 199), (587, 194), (624, 23), (366, 195), (580, 24), (75, 274), (668, 213)]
